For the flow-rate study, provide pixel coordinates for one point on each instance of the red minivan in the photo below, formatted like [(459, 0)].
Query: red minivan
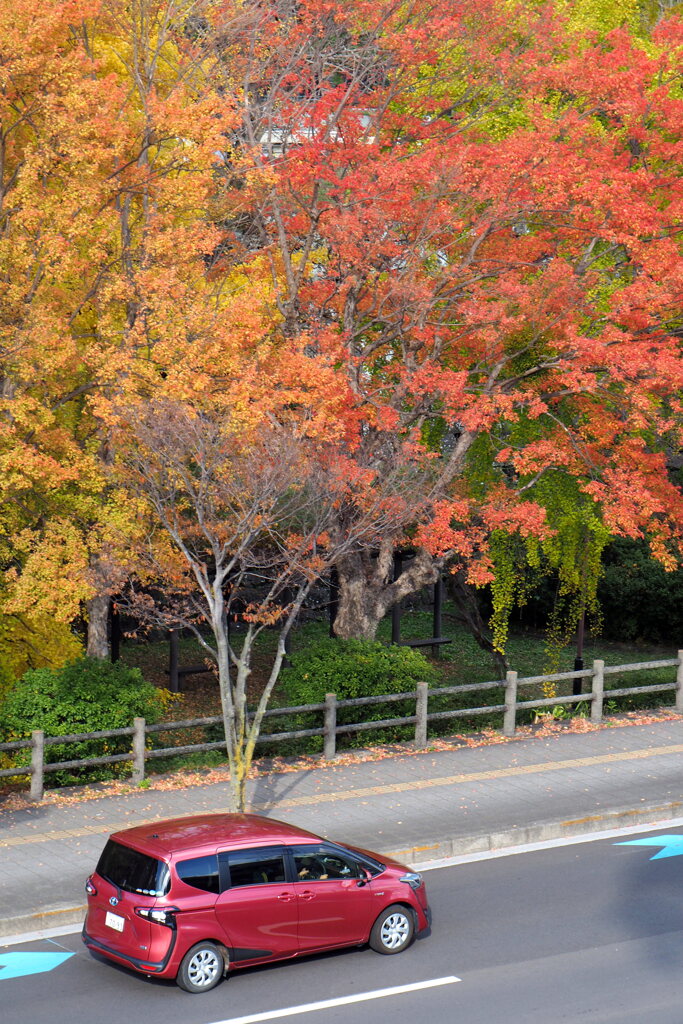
[(191, 898)]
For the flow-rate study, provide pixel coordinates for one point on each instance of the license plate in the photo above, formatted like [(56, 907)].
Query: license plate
[(114, 921)]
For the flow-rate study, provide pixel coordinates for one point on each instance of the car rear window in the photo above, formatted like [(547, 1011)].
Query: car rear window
[(200, 872), (133, 871)]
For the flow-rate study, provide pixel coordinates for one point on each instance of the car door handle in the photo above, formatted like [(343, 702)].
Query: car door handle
[(307, 895), (286, 897)]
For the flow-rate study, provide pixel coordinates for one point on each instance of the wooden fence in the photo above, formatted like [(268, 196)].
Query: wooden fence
[(138, 753)]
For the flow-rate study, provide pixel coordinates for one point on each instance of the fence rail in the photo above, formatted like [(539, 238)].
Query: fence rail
[(331, 728)]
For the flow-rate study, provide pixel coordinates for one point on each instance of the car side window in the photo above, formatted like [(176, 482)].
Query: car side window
[(200, 872), (254, 867), (321, 863)]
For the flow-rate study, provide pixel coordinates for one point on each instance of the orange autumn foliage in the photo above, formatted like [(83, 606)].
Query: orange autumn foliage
[(441, 242)]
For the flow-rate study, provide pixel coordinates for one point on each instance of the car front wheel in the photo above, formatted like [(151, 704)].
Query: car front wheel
[(393, 930), (201, 968)]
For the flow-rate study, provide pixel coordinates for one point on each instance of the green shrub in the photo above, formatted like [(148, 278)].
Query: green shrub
[(639, 600), (87, 695), (355, 668)]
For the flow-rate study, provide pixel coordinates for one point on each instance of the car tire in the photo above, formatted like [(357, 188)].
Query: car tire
[(393, 931), (201, 968)]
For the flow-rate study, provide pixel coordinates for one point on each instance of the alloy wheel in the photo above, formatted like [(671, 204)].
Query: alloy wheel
[(203, 968), (395, 931)]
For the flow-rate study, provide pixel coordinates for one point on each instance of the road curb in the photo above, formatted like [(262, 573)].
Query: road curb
[(455, 846), (524, 835), (42, 920)]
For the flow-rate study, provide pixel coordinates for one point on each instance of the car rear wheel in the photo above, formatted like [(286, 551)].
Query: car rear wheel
[(393, 930), (201, 968)]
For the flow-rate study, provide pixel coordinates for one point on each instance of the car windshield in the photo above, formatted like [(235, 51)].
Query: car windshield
[(133, 871)]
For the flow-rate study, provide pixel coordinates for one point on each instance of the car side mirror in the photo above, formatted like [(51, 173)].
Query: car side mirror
[(364, 879)]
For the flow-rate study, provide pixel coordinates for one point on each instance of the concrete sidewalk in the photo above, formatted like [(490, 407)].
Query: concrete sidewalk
[(419, 807)]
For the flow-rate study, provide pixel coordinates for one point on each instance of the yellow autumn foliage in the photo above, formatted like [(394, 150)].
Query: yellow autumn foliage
[(40, 642)]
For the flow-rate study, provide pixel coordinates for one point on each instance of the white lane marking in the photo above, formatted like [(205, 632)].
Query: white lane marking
[(326, 1004), (548, 844)]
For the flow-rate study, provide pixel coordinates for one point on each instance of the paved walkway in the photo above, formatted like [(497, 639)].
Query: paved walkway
[(420, 806)]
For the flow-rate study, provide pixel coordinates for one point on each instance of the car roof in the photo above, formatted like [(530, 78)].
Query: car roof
[(193, 833)]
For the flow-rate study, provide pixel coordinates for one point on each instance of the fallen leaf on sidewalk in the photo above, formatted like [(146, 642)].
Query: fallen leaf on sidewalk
[(11, 800)]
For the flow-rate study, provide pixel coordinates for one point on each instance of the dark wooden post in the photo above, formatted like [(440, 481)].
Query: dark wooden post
[(114, 633), (333, 603), (577, 684), (173, 661), (396, 608), (436, 619)]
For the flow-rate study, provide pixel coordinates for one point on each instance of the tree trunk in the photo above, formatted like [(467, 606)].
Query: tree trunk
[(97, 612), (359, 608), (367, 590), (468, 613)]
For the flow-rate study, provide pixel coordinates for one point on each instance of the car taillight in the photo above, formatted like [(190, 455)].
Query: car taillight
[(160, 915), (412, 879), (90, 888)]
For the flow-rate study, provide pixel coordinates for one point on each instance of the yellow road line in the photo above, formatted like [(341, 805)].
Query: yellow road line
[(498, 773), (366, 791)]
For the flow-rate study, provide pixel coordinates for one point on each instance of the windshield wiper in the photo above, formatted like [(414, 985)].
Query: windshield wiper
[(119, 891)]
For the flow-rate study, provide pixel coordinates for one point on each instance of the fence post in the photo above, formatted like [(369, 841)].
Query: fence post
[(598, 690), (138, 750), (421, 715), (679, 684), (509, 718), (37, 764), (330, 726)]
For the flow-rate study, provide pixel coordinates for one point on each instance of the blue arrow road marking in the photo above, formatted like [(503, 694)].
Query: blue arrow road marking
[(17, 965), (672, 845)]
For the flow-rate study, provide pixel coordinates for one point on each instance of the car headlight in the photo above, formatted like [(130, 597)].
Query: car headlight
[(413, 879)]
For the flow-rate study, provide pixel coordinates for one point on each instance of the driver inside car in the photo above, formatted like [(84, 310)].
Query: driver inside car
[(312, 869)]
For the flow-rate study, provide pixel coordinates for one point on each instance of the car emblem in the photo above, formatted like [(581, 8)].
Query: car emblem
[(114, 901)]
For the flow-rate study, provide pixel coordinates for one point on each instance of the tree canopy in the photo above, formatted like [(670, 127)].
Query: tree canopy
[(439, 245)]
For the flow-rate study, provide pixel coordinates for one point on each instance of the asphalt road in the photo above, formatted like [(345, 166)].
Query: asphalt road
[(591, 932)]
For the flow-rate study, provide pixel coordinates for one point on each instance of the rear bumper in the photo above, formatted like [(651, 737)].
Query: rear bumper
[(158, 968)]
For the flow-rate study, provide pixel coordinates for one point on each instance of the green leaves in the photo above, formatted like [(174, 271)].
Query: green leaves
[(87, 695), (353, 668), (356, 668)]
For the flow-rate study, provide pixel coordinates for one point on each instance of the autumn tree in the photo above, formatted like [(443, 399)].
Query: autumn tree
[(54, 163), (475, 218), (242, 524), (108, 146), (444, 238)]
